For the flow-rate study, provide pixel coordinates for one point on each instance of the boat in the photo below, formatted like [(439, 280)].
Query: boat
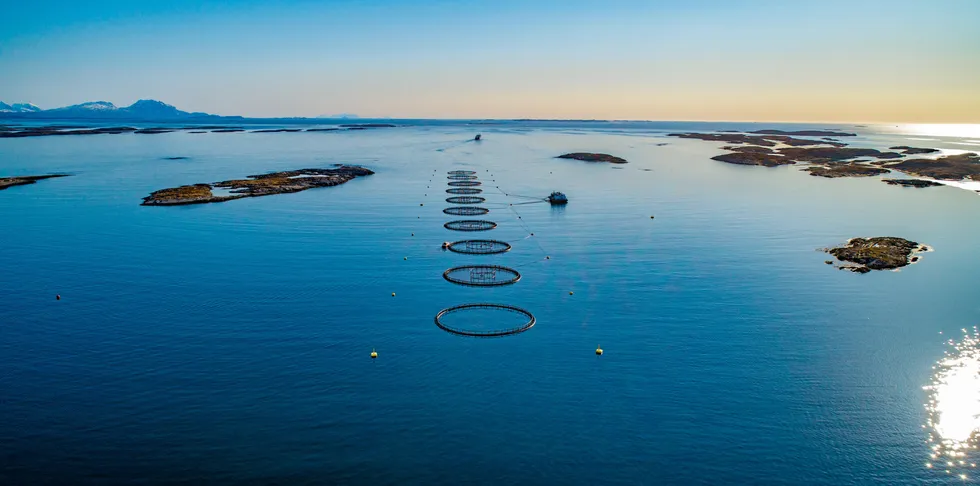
[(557, 198)]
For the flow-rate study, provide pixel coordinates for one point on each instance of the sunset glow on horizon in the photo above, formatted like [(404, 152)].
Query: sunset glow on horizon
[(872, 61)]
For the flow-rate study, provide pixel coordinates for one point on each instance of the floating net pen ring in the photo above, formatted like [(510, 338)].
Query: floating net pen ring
[(479, 247), (461, 177), (466, 211), (529, 322), (465, 200), (463, 190), (464, 183), (470, 225), (461, 172), (482, 275)]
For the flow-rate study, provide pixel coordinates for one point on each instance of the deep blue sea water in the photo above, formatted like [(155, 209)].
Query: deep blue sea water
[(229, 343)]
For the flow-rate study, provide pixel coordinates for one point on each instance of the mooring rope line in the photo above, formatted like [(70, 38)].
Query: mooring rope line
[(520, 219)]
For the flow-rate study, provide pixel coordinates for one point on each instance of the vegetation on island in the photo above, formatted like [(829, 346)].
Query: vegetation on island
[(879, 253), (6, 182), (592, 157), (256, 186)]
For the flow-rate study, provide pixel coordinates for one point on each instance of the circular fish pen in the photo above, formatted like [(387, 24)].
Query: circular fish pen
[(465, 183), (479, 247), (460, 177), (465, 200), (483, 320), (461, 172), (470, 225), (463, 190), (466, 211), (482, 275)]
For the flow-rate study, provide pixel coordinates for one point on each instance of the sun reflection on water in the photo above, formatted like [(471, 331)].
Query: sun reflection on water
[(954, 406)]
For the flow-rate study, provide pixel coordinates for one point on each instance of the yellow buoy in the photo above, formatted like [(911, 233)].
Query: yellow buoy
[(598, 351), (374, 354), (571, 293), (392, 294)]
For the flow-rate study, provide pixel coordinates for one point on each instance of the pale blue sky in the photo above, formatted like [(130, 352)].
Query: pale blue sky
[(858, 60)]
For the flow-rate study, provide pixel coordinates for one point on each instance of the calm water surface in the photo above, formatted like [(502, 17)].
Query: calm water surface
[(230, 343)]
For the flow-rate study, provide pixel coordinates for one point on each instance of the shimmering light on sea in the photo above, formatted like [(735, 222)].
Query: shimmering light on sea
[(943, 129), (953, 405)]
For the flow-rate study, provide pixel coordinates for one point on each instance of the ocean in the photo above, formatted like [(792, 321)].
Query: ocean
[(230, 343)]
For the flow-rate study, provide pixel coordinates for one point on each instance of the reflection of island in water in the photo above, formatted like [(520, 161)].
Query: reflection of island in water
[(953, 407)]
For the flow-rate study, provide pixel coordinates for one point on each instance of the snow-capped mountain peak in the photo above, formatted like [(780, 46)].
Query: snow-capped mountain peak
[(25, 108), (94, 106), (18, 108), (103, 110)]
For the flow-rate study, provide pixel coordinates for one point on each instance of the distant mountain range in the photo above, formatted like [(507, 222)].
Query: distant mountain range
[(142, 110), (18, 108)]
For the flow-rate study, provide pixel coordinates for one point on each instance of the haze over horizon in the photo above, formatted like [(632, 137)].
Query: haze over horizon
[(743, 60)]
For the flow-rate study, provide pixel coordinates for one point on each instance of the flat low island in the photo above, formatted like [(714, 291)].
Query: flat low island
[(6, 182), (593, 157), (256, 186), (862, 255)]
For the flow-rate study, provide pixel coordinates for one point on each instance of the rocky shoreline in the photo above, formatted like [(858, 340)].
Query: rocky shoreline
[(862, 255), (6, 182), (832, 159), (918, 183), (591, 157), (256, 186), (845, 170), (950, 167)]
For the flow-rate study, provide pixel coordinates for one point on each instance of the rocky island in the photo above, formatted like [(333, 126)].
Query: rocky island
[(906, 150), (806, 133), (256, 186), (845, 170), (590, 157), (772, 148), (760, 140), (919, 183), (880, 253), (950, 167), (6, 182)]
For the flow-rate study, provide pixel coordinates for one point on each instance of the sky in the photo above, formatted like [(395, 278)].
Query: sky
[(907, 61)]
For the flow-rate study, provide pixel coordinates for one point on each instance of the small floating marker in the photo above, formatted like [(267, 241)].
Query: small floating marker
[(532, 234), (445, 244), (421, 204), (598, 351), (413, 234), (57, 297), (374, 354), (392, 294), (547, 258), (406, 258), (571, 293), (651, 216)]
